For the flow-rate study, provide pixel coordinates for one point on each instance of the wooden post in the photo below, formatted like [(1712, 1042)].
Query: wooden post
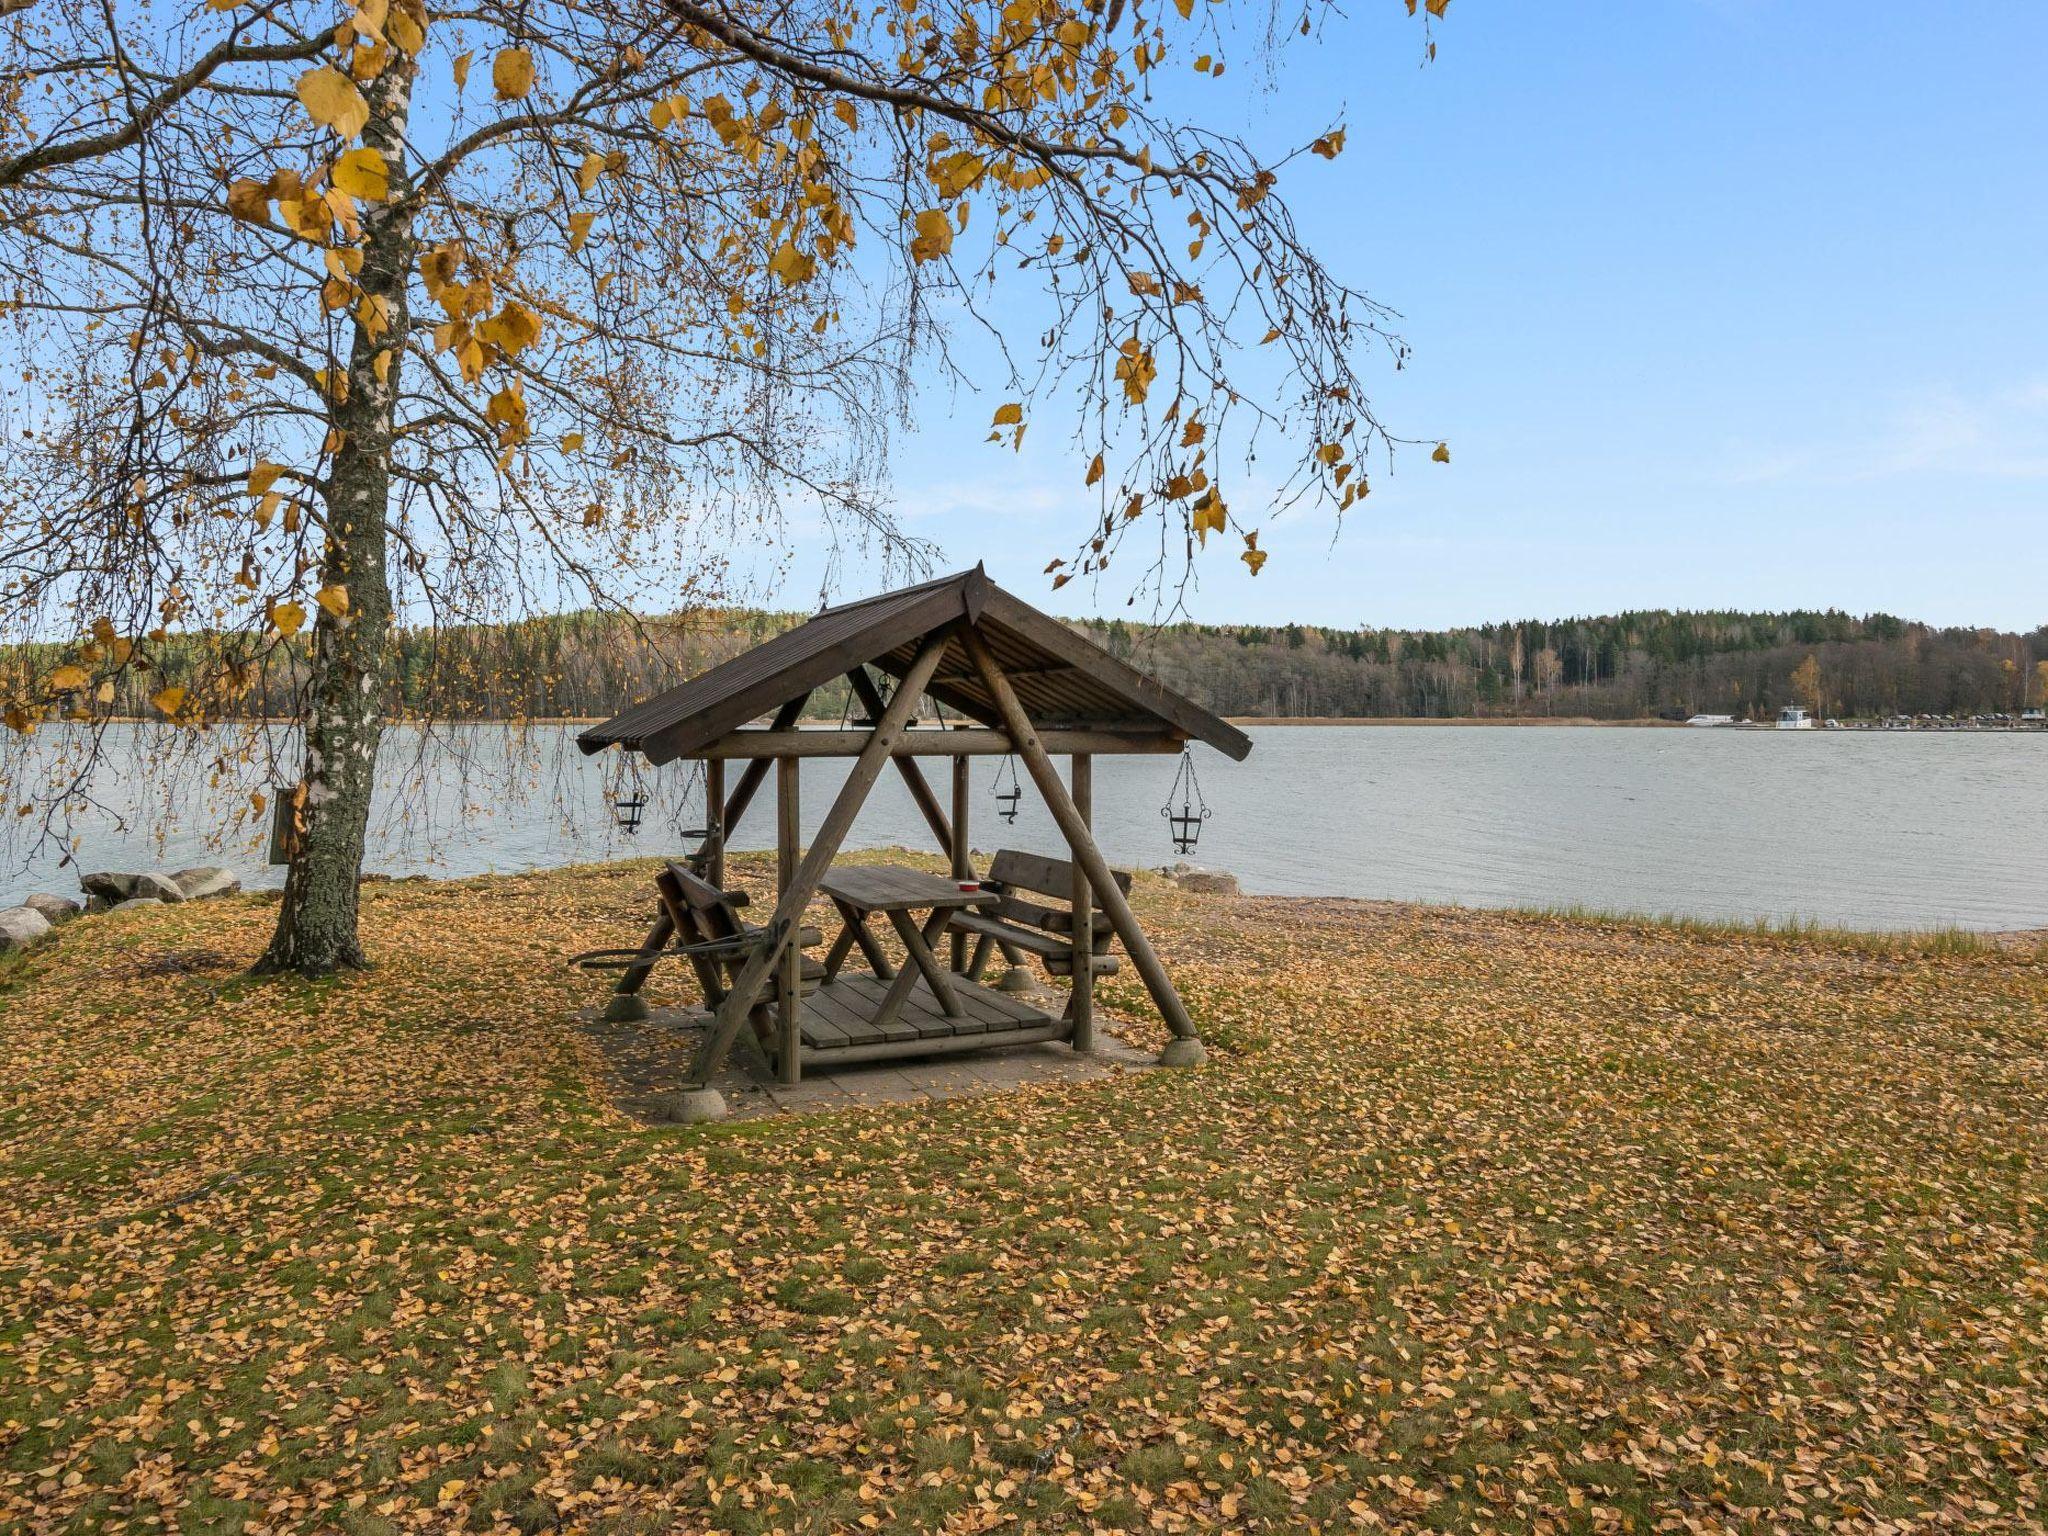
[(913, 776), (789, 910), (963, 857), (1079, 838), (756, 771), (1081, 1001), (714, 823), (788, 834)]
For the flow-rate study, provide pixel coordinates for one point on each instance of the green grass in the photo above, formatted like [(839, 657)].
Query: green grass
[(1946, 941)]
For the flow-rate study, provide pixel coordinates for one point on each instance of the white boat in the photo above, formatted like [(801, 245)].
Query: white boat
[(1708, 720), (1793, 718)]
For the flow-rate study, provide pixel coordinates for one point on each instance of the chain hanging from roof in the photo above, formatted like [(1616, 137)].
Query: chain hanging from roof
[(1186, 823)]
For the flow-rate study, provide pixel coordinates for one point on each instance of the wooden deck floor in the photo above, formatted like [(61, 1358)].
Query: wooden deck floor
[(838, 1019)]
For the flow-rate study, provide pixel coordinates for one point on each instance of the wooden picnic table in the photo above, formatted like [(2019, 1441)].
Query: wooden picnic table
[(862, 891)]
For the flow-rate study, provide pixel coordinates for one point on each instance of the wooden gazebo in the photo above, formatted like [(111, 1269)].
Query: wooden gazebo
[(1020, 682)]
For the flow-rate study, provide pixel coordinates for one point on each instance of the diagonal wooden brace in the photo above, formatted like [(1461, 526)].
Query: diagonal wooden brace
[(1079, 839), (796, 896)]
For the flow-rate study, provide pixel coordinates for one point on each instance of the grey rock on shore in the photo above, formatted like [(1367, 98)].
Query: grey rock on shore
[(108, 885), (21, 927), (111, 887), (1203, 882), (55, 909), (206, 880)]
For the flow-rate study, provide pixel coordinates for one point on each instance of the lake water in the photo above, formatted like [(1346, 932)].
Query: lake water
[(1866, 829)]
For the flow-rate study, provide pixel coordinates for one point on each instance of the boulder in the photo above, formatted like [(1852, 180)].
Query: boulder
[(108, 886), (21, 927), (205, 881), (56, 909), (1203, 882), (162, 887), (136, 901)]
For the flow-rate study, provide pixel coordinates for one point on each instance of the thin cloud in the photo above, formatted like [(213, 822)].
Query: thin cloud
[(2000, 435)]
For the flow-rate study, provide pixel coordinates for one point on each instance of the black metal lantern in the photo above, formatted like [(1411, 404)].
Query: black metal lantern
[(1007, 799), (627, 807), (629, 799), (1185, 823)]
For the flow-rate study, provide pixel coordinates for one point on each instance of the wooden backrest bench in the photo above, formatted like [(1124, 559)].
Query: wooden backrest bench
[(703, 914), (1018, 922)]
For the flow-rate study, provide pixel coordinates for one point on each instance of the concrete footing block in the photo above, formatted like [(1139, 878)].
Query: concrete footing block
[(1018, 981), (1183, 1051), (625, 1008), (695, 1106)]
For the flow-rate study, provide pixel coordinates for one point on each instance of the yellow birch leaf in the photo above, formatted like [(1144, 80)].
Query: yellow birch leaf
[(334, 599), (362, 173), (461, 69), (512, 74), (289, 618), (263, 476), (572, 442), (405, 31), (68, 679), (332, 100), (511, 330), (1442, 454), (374, 316), (588, 172), (1008, 415), (169, 700), (381, 366), (579, 230), (934, 235), (792, 265), (1094, 471), (249, 201)]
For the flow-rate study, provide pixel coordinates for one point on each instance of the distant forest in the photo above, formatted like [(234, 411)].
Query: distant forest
[(1628, 666), (1625, 667)]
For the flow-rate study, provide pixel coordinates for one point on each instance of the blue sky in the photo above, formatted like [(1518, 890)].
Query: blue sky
[(1719, 303)]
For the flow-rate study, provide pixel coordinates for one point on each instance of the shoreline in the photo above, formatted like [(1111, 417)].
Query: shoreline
[(1453, 720)]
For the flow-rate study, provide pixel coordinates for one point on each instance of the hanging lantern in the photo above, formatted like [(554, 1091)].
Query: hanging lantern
[(629, 799), (1007, 799), (1186, 822), (627, 808)]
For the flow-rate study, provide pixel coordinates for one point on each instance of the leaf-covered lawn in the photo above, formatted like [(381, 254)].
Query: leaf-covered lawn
[(1474, 1221)]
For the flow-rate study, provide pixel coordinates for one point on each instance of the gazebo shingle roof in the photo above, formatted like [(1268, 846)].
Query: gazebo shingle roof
[(1062, 679)]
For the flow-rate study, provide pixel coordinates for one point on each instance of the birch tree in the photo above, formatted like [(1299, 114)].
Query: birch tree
[(324, 319)]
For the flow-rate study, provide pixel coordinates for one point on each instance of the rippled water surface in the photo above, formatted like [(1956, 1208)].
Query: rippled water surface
[(1899, 830)]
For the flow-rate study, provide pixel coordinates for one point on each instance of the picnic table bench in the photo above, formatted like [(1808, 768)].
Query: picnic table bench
[(1016, 923)]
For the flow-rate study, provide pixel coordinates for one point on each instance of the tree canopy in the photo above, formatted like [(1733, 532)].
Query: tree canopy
[(320, 315)]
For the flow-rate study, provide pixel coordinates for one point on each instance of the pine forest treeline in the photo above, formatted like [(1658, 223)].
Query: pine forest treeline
[(1627, 666)]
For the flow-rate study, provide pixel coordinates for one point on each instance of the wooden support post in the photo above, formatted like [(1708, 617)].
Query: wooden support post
[(714, 824), (1079, 838), (756, 771), (1081, 1002), (963, 856), (810, 869), (913, 776), (788, 834)]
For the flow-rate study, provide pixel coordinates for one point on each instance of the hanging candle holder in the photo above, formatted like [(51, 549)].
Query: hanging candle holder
[(1007, 799), (1186, 822), (629, 801), (695, 786)]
